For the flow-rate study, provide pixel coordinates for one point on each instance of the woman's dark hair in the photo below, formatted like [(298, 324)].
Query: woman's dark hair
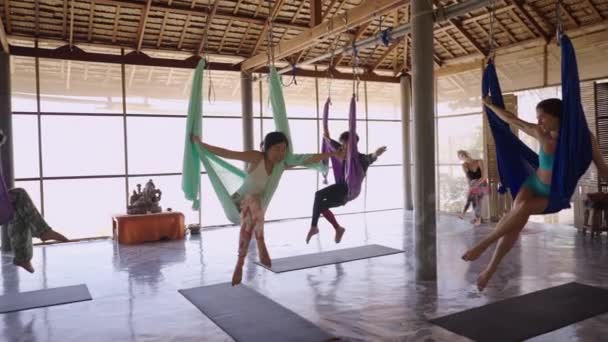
[(274, 138), (344, 136), (551, 106)]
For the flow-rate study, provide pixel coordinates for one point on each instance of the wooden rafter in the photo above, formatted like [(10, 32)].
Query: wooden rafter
[(116, 19), (91, 16), (487, 14), (505, 30), (7, 13), (591, 6), (36, 17), (142, 25), (386, 53), (521, 22), (199, 11), (243, 39), (460, 46), (328, 9), (295, 16), (365, 12), (564, 10), (485, 33), (71, 35), (340, 5), (183, 34), (273, 13), (224, 37), (162, 30), (458, 26), (360, 31), (519, 5), (3, 39), (370, 55), (64, 24), (203, 43), (443, 47)]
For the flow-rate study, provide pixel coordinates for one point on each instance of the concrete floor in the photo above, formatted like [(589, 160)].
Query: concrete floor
[(136, 299)]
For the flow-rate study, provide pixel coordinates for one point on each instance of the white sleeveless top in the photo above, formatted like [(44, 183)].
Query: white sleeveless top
[(256, 180)]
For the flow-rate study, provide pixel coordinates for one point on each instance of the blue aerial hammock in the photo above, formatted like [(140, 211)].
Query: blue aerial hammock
[(573, 154), (354, 171)]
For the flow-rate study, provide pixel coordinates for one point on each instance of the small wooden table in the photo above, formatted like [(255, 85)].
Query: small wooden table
[(134, 229)]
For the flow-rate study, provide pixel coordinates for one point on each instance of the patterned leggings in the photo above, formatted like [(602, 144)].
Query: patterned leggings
[(252, 220), (26, 223)]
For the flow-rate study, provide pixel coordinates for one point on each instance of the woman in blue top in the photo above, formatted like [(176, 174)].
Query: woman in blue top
[(533, 197)]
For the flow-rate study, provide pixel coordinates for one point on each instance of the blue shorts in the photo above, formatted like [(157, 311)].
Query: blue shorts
[(537, 186)]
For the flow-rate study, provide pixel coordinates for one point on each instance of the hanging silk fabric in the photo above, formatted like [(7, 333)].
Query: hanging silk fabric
[(352, 172), (573, 154), (225, 178)]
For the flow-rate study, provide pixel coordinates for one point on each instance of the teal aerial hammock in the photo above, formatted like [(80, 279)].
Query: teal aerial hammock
[(226, 179), (574, 152)]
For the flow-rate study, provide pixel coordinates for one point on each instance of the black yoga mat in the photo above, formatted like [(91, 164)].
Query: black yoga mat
[(43, 298), (300, 262), (247, 315), (533, 314)]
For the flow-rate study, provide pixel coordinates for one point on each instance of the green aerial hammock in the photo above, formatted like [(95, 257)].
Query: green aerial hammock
[(225, 178)]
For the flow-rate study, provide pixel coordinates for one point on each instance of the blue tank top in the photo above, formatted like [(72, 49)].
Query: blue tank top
[(545, 161)]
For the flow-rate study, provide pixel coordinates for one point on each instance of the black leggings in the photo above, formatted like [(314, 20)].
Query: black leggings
[(329, 197)]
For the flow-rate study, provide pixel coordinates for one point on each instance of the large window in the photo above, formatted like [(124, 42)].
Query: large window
[(87, 134), (459, 126)]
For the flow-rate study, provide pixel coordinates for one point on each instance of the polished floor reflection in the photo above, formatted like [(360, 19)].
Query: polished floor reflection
[(136, 299)]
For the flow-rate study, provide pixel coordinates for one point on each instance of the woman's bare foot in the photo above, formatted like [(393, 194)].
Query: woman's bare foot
[(339, 232), (237, 276), (27, 265), (314, 230), (477, 222), (461, 216), (483, 279), (263, 253), (474, 253), (53, 235)]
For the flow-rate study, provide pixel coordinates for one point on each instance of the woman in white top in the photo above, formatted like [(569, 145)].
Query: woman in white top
[(248, 197)]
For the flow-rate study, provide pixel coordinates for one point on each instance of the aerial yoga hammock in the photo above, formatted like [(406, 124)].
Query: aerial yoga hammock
[(348, 173), (519, 167), (234, 187)]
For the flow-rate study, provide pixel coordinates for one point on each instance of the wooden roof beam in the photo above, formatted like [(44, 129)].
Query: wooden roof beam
[(443, 47), (458, 26), (295, 16), (356, 37), (519, 6), (162, 30), (115, 29), (7, 13), (506, 31), (184, 30), (199, 11), (386, 53), (356, 16), (521, 22), (91, 16), (328, 10), (590, 4), (203, 43), (71, 33), (564, 10), (142, 25), (273, 13), (3, 38), (466, 52)]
